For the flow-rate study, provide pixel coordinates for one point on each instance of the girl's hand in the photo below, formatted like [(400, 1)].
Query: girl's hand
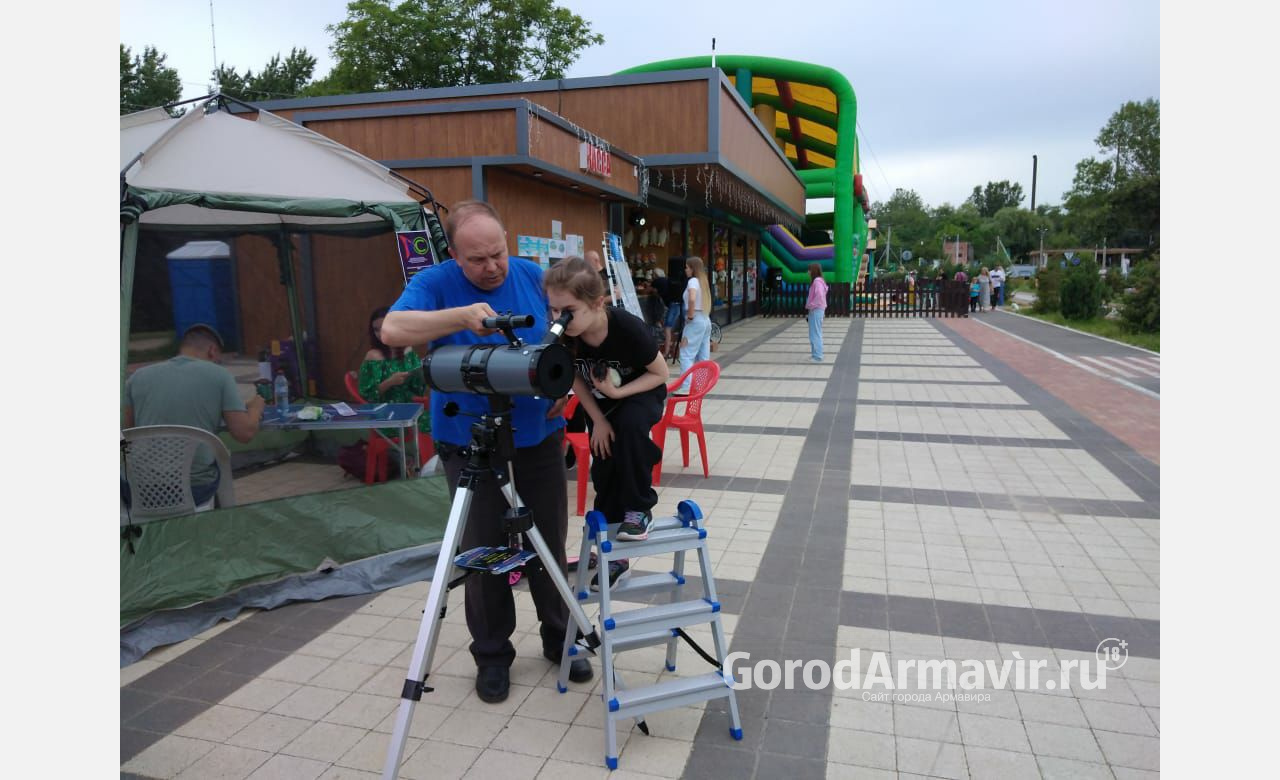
[(601, 439), (606, 386), (398, 378)]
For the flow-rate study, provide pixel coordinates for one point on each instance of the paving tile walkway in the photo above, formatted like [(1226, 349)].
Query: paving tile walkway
[(929, 491)]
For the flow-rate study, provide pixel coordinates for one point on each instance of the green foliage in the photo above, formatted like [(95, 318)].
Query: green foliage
[(1116, 198), (1080, 296), (444, 43), (1019, 229), (145, 81), (995, 196), (1114, 284), (1141, 309), (276, 80), (1048, 282)]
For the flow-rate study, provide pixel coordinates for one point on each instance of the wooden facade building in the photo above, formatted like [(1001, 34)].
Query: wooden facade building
[(680, 149)]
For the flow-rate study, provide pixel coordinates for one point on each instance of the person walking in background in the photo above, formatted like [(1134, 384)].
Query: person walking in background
[(695, 343), (817, 308), (997, 285), (984, 290)]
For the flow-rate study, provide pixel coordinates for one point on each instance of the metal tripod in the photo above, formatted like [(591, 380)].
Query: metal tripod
[(491, 439)]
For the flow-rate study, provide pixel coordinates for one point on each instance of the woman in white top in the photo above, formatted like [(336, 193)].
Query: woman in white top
[(695, 342)]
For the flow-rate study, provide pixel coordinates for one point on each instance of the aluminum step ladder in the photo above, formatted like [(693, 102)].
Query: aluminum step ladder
[(653, 625)]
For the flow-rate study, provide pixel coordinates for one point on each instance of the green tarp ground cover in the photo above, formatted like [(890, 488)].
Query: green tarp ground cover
[(187, 560)]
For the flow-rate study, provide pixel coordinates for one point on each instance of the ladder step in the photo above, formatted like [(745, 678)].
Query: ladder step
[(635, 641), (662, 616), (636, 587), (668, 540), (676, 692)]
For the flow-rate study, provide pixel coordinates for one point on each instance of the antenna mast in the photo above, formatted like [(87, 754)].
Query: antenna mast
[(217, 85)]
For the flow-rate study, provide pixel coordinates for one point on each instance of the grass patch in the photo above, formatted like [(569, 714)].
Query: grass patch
[(1099, 326)]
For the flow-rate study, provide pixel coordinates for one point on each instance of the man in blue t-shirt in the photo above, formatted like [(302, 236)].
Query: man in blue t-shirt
[(447, 304)]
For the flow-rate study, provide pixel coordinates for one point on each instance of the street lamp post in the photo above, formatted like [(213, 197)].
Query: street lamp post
[(1043, 261)]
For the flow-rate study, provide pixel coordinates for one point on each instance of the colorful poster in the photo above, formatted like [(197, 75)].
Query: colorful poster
[(415, 252), (574, 245), (557, 229), (526, 246)]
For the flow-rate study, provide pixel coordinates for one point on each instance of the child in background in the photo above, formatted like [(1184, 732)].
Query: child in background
[(620, 380), (975, 287)]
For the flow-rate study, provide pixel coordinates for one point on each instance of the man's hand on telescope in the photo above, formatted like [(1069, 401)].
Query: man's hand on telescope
[(472, 318)]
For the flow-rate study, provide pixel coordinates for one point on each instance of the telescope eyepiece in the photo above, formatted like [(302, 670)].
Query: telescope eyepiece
[(508, 321)]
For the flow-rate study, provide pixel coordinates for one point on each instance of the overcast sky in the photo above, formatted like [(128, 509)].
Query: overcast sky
[(950, 95)]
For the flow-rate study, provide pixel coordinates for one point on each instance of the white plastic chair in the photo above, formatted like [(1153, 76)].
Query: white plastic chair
[(157, 466)]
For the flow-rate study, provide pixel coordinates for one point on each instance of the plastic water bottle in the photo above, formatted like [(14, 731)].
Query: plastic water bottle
[(282, 393)]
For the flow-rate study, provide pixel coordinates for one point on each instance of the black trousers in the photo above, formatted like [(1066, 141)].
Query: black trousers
[(490, 605), (624, 480)]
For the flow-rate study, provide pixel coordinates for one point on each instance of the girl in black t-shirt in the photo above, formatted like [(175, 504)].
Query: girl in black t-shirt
[(621, 384)]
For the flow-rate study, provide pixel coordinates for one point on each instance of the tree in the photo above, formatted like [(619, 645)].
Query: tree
[(276, 80), (1019, 230), (1117, 198), (995, 196), (1141, 309), (445, 43), (1080, 296), (145, 82), (1131, 137)]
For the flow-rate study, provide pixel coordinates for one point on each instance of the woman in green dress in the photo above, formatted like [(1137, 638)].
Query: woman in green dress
[(392, 374)]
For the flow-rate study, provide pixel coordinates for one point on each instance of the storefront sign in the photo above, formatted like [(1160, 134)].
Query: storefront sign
[(415, 252), (594, 159)]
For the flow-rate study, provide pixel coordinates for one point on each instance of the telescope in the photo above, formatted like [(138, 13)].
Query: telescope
[(514, 368)]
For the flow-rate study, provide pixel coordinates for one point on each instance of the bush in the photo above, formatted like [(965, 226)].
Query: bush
[(1141, 309), (1048, 282), (1080, 297), (1113, 290)]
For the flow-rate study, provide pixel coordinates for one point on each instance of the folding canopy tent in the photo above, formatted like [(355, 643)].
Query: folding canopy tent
[(211, 174)]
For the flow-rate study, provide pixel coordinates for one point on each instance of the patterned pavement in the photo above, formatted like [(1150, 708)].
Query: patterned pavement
[(930, 492)]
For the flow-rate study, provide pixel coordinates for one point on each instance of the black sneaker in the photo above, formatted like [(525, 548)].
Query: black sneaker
[(635, 526), (618, 571), (493, 683)]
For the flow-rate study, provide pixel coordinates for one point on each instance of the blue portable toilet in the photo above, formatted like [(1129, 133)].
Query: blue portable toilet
[(203, 285)]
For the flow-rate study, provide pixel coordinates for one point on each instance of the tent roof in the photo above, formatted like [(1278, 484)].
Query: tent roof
[(209, 171)]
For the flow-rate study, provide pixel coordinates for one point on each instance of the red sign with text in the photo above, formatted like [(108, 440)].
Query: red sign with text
[(594, 159)]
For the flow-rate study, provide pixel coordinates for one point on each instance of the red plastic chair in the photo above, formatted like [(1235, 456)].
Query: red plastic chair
[(581, 443), (703, 376), (375, 467)]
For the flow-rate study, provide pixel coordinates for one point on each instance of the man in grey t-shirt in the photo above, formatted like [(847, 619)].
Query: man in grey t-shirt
[(191, 388)]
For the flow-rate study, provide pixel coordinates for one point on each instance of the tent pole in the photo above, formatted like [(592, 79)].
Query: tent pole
[(290, 289), (128, 256)]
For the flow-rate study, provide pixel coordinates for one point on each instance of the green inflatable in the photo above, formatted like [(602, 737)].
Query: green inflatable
[(849, 220)]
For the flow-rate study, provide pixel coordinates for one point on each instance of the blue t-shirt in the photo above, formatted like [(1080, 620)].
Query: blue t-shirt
[(445, 287)]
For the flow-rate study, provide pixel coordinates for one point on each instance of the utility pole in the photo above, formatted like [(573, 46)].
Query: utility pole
[(1043, 261), (1034, 164)]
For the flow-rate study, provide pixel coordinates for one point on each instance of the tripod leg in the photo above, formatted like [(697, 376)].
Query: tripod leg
[(428, 632), (553, 572), (583, 577)]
